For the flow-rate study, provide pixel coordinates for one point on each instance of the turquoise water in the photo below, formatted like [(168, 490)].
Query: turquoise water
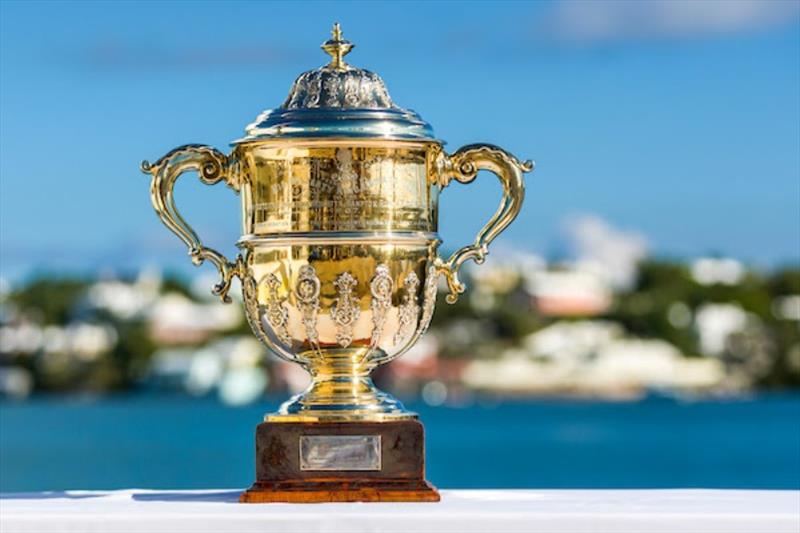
[(176, 442)]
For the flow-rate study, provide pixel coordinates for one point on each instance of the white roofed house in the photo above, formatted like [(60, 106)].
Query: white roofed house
[(175, 319), (568, 292), (592, 358)]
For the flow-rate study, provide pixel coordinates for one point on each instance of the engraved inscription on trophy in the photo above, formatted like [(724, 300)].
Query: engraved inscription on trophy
[(348, 190), (340, 452)]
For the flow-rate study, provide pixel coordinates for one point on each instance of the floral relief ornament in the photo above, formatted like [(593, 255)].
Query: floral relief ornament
[(409, 308), (277, 313), (381, 288), (430, 298), (345, 310), (307, 293)]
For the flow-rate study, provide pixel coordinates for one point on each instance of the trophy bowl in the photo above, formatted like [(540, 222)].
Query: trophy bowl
[(340, 306), (339, 263)]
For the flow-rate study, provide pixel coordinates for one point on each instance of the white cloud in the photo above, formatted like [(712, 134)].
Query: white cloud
[(609, 252), (601, 22)]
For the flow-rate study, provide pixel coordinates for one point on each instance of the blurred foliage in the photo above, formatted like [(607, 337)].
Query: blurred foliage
[(480, 324), (509, 317), (645, 312), (59, 301), (173, 283), (53, 300), (785, 281)]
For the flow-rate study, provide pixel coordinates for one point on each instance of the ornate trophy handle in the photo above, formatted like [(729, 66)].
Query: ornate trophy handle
[(212, 167), (463, 166)]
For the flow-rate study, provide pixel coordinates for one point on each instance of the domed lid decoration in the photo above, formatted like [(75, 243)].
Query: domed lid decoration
[(338, 100), (338, 84)]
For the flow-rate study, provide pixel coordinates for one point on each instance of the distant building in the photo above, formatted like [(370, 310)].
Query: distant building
[(175, 319), (715, 323), (126, 300), (711, 271), (622, 369), (568, 293), (231, 366), (571, 340)]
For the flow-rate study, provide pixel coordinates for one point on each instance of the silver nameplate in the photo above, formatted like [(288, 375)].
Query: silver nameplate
[(340, 452)]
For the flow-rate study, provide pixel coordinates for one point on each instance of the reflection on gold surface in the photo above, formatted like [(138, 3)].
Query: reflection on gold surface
[(337, 187)]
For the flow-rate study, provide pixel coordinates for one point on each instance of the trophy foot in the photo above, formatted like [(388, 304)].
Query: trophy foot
[(340, 492), (316, 462), (341, 399)]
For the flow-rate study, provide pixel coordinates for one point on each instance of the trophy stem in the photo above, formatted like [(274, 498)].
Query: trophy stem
[(341, 391)]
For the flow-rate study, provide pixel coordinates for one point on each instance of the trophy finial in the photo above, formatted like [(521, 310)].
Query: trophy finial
[(337, 48)]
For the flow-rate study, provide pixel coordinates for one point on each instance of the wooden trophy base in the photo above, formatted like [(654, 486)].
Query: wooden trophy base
[(317, 462)]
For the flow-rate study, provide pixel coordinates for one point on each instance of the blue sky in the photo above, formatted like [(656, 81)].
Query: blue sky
[(676, 120)]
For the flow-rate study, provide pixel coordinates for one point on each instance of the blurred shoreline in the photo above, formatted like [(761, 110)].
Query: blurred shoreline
[(611, 325)]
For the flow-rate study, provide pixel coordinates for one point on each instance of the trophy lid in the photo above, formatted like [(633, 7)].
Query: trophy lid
[(338, 100)]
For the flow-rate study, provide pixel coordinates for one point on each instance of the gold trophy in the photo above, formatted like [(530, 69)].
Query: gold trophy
[(339, 270)]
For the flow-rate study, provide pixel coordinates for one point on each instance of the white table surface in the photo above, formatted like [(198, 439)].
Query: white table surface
[(461, 511)]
